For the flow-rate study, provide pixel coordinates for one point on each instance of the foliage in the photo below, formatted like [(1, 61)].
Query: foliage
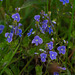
[(21, 55)]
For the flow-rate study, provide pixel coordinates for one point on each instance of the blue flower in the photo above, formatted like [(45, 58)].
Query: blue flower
[(42, 13), (44, 24), (61, 49), (41, 49), (35, 53), (12, 31), (45, 14), (19, 24), (30, 32), (63, 68), (1, 28), (12, 28), (18, 31), (37, 17), (37, 40), (18, 9), (1, 0), (54, 22), (52, 55), (16, 17), (9, 37), (50, 45), (71, 7), (43, 57), (41, 29), (64, 1), (50, 30), (56, 73)]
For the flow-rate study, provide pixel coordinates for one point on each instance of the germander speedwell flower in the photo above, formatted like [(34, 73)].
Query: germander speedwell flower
[(52, 55), (37, 40), (18, 31), (43, 57), (16, 17), (9, 37), (1, 28), (37, 17), (44, 24), (50, 45), (30, 32), (61, 49), (50, 30), (64, 1)]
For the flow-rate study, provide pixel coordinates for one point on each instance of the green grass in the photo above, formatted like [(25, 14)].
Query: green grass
[(17, 50)]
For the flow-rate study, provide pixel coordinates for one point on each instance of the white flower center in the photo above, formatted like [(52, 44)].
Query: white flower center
[(36, 39), (8, 36), (49, 45), (16, 16), (43, 56), (52, 54), (62, 49)]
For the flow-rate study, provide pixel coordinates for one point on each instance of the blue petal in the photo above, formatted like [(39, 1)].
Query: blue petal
[(20, 30), (6, 34), (20, 35)]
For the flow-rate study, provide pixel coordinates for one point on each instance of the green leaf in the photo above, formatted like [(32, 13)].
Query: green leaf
[(68, 72), (6, 58), (14, 69), (38, 70), (32, 51), (8, 71), (26, 41)]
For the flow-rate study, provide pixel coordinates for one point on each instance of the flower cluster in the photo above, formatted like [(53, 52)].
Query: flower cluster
[(15, 29), (45, 27), (43, 24)]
